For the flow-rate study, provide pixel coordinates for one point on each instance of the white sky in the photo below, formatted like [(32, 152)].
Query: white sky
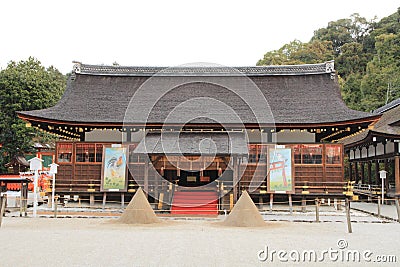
[(165, 33)]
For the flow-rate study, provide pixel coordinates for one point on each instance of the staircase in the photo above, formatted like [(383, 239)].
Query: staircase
[(195, 203)]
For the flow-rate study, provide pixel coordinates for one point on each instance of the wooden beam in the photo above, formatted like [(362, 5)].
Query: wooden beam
[(397, 174), (236, 178), (362, 173), (369, 172), (146, 177), (356, 171), (387, 175), (350, 171), (3, 202)]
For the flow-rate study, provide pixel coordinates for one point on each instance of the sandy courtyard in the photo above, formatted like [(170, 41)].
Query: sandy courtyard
[(97, 242)]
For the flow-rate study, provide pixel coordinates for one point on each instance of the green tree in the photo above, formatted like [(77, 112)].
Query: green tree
[(24, 85), (314, 52), (381, 82), (297, 52), (352, 60), (367, 56), (351, 90), (344, 31), (282, 56)]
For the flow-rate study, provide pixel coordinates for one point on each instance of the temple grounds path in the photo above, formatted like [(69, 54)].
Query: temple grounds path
[(194, 242)]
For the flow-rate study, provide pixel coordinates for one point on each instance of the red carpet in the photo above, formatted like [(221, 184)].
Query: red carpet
[(195, 203)]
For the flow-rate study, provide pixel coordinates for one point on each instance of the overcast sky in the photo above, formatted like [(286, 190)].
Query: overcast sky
[(165, 33)]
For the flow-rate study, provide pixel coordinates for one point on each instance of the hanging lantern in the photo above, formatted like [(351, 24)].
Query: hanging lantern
[(219, 171), (162, 171)]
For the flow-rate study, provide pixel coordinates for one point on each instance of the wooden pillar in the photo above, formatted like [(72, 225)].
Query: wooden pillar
[(260, 202), (349, 229), (290, 204), (21, 197), (25, 198), (155, 184), (369, 172), (3, 203), (269, 137), (369, 167), (376, 169), (303, 204), (387, 175), (397, 173), (377, 179), (356, 171), (385, 163), (235, 178), (91, 200), (82, 137), (393, 167), (146, 176), (362, 173), (104, 200), (271, 202), (128, 135), (351, 171)]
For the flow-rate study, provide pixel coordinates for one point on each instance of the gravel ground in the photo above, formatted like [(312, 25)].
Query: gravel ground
[(179, 242)]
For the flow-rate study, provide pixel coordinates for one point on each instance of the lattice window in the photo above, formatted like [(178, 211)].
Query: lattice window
[(64, 152), (85, 153), (333, 154)]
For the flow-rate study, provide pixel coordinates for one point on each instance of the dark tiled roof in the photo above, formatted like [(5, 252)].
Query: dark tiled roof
[(196, 143), (294, 94), (384, 126), (388, 106), (206, 70), (18, 160)]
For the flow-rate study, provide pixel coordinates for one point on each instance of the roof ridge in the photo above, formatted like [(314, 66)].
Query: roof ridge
[(387, 106), (188, 70)]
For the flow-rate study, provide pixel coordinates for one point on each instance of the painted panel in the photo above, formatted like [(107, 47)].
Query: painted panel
[(113, 174), (280, 177)]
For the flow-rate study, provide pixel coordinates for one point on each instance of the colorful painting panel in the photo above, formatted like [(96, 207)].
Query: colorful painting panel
[(114, 177), (280, 178)]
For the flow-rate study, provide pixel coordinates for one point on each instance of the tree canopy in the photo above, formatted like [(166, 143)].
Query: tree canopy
[(297, 52), (24, 85), (367, 55)]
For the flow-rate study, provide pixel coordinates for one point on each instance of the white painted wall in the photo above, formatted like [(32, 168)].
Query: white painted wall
[(254, 137), (364, 152), (293, 137), (282, 137), (105, 136), (389, 147), (357, 154), (136, 137), (379, 149)]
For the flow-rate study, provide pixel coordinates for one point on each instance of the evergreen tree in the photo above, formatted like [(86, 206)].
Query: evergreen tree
[(367, 55), (24, 85)]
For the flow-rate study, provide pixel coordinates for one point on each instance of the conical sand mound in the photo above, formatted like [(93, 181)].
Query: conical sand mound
[(138, 211), (244, 214)]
